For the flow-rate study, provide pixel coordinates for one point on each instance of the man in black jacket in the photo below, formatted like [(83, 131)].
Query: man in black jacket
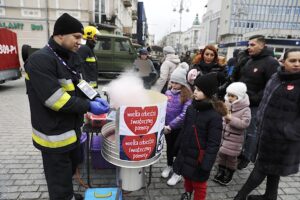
[(255, 74), (57, 104)]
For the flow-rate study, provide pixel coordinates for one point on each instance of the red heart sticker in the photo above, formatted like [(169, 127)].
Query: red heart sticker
[(139, 147), (290, 87), (140, 120)]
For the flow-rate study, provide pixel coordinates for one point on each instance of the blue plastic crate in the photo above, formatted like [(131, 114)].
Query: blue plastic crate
[(103, 194)]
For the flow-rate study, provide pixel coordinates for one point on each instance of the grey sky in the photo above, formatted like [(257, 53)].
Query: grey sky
[(162, 20)]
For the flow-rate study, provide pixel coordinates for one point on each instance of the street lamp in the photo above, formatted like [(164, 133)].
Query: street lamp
[(183, 5)]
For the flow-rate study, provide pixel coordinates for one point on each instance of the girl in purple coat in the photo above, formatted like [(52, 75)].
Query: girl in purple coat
[(179, 98), (234, 125)]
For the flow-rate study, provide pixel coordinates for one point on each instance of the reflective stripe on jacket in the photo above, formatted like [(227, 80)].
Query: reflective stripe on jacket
[(54, 141), (56, 104), (90, 68)]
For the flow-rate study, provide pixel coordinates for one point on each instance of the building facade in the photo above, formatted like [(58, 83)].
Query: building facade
[(211, 23), (274, 19), (118, 16), (190, 39), (172, 39), (33, 20), (280, 18)]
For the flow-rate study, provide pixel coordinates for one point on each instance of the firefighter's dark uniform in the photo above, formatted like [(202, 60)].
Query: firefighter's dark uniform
[(90, 69), (57, 107)]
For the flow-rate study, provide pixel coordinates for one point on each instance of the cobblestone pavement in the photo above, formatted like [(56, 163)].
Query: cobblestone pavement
[(21, 172)]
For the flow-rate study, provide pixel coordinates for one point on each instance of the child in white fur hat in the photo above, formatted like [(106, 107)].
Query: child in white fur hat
[(234, 125)]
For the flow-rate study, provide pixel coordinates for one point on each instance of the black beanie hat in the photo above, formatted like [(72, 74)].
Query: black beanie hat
[(66, 24), (207, 83)]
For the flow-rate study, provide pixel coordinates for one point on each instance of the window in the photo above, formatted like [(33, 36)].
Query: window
[(30, 3), (243, 24), (233, 23), (265, 24), (31, 13), (250, 9), (2, 11), (98, 12), (281, 25), (122, 45), (269, 24), (297, 11), (103, 44), (102, 6)]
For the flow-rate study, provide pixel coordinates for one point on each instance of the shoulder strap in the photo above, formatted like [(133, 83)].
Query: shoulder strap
[(200, 156)]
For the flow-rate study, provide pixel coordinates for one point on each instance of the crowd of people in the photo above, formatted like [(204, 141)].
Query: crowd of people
[(246, 109), (219, 113)]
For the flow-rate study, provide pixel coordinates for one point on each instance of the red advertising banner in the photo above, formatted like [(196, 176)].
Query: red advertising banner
[(9, 58), (140, 130)]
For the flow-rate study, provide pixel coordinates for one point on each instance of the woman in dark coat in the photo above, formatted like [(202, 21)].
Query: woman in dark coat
[(208, 63), (279, 130)]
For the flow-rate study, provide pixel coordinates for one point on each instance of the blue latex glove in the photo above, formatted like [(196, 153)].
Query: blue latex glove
[(97, 108), (102, 101)]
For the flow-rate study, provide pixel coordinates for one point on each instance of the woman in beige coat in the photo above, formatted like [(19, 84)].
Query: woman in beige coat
[(166, 69)]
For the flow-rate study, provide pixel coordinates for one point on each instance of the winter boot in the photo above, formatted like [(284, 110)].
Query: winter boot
[(186, 196), (227, 178), (220, 173)]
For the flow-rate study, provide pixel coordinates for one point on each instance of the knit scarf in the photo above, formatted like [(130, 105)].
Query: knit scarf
[(207, 67)]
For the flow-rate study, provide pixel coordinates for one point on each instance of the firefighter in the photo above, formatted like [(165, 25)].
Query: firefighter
[(58, 98), (87, 54)]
